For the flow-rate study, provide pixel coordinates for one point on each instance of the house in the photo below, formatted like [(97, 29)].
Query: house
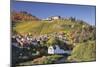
[(56, 50), (55, 17), (52, 18), (51, 50)]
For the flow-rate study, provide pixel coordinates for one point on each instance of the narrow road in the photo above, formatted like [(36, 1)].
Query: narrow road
[(62, 60)]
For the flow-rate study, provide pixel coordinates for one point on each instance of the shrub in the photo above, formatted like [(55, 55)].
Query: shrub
[(52, 41), (83, 52), (52, 59)]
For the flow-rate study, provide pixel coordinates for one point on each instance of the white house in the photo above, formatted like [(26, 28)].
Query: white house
[(55, 17), (50, 50), (57, 50)]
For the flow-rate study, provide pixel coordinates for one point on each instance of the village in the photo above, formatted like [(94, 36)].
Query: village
[(27, 40), (28, 46)]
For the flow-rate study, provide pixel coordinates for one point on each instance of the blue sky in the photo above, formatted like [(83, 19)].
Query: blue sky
[(44, 10)]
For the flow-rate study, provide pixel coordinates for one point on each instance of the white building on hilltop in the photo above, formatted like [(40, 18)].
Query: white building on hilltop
[(53, 18), (57, 50)]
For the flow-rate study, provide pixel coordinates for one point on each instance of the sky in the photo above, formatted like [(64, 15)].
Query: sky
[(44, 10)]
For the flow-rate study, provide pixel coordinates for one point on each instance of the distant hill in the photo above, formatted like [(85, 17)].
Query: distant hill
[(22, 16)]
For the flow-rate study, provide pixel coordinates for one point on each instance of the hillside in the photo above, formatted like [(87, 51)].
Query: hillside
[(73, 29), (25, 22), (22, 16), (45, 27)]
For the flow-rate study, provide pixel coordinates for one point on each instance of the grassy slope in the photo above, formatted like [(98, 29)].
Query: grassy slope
[(43, 27), (84, 52)]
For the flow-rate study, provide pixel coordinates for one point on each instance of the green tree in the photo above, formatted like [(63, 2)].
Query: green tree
[(52, 41)]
